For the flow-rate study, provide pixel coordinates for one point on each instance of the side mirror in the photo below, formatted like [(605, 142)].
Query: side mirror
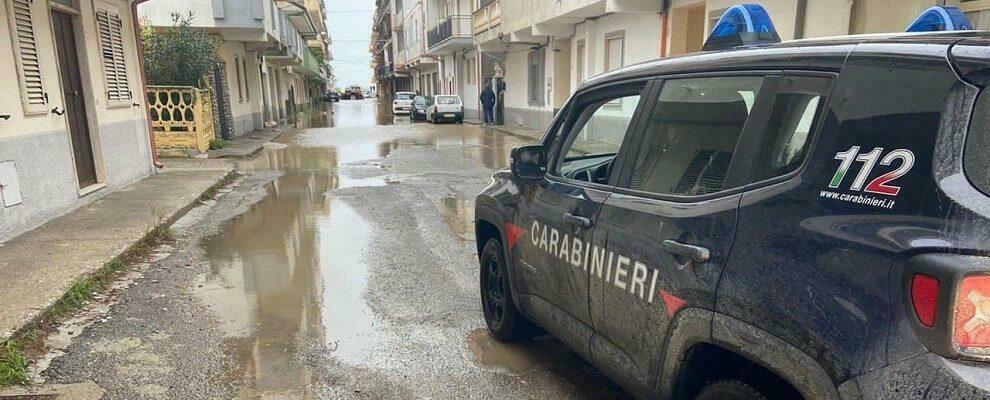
[(528, 162)]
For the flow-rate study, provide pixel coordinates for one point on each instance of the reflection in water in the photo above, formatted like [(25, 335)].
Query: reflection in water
[(458, 213), (291, 271)]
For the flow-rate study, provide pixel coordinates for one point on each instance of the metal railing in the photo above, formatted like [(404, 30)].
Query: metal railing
[(453, 26), (181, 117), (487, 17)]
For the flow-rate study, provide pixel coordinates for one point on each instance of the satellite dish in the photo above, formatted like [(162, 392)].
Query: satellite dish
[(742, 25), (940, 18)]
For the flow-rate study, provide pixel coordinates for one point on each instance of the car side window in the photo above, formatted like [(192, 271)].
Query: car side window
[(794, 116), (692, 134), (597, 133)]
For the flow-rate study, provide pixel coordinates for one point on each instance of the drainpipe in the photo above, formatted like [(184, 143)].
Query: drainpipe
[(144, 82), (664, 22)]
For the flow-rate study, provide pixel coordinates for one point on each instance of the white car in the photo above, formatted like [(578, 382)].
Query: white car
[(403, 102), (446, 107)]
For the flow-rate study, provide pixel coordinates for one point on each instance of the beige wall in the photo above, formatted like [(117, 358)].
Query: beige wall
[(100, 112), (242, 103), (869, 16)]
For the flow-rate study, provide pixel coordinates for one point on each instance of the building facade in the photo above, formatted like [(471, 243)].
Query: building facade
[(73, 125), (541, 51), (272, 55)]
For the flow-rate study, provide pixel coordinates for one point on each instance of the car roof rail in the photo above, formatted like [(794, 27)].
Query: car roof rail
[(742, 25), (940, 18)]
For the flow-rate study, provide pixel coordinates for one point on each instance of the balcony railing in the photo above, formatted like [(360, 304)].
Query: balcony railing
[(453, 26), (386, 70), (487, 17)]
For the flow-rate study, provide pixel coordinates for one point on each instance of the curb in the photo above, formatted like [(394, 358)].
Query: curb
[(47, 316), (257, 150)]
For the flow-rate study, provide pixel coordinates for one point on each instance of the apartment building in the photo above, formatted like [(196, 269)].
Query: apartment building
[(272, 56), (73, 125), (540, 51)]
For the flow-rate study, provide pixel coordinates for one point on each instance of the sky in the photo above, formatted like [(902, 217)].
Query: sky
[(349, 23)]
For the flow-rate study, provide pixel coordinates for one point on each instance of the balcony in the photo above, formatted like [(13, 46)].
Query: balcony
[(451, 34), (385, 71), (487, 17)]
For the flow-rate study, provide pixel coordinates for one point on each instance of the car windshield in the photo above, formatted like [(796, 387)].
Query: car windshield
[(404, 96), (448, 100), (421, 101)]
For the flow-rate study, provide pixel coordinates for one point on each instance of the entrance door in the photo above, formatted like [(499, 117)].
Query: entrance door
[(75, 105)]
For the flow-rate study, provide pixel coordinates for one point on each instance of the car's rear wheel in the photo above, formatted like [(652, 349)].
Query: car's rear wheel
[(504, 321), (729, 390)]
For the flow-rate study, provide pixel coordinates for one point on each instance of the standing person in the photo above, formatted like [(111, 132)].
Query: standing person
[(488, 103)]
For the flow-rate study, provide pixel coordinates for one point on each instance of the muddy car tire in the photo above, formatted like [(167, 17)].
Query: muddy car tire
[(729, 390), (505, 322)]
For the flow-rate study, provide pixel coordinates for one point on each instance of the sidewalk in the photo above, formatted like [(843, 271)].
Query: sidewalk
[(516, 130), (38, 267), (249, 144)]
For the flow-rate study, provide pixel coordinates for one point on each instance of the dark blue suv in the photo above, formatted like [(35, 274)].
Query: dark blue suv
[(807, 219)]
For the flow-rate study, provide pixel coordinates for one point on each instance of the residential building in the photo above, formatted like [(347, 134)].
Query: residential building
[(272, 56), (538, 52), (73, 125)]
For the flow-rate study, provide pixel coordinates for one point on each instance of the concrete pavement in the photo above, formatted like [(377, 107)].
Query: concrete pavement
[(38, 267)]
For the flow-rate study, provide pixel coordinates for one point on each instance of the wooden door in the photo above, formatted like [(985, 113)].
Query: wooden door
[(75, 104)]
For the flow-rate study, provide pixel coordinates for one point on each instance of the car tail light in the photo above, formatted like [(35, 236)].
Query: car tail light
[(924, 297), (971, 319)]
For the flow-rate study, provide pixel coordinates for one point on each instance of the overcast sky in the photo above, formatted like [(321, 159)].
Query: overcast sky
[(349, 22)]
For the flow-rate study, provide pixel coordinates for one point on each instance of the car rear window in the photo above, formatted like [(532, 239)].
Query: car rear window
[(977, 156), (448, 100), (404, 96)]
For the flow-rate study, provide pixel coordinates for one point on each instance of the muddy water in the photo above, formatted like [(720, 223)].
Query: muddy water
[(292, 269)]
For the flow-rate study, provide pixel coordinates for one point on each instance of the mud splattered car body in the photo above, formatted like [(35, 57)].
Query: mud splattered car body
[(810, 217)]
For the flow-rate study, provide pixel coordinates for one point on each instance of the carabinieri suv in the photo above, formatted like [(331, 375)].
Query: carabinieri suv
[(806, 219)]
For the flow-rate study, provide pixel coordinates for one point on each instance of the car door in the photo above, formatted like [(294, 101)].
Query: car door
[(670, 224), (557, 213)]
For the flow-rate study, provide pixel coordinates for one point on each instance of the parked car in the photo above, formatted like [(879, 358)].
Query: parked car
[(761, 220), (403, 102), (419, 106), (331, 97), (446, 108)]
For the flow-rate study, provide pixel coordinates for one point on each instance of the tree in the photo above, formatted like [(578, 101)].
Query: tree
[(178, 55)]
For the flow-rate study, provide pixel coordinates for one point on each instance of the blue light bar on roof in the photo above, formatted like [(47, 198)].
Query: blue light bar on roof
[(940, 18), (742, 25)]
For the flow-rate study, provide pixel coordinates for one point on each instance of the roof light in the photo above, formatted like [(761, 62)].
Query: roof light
[(940, 18), (742, 25)]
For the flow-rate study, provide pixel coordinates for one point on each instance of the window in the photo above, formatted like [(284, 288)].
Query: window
[(692, 134), (237, 70), (788, 132), (111, 31), (536, 70), (597, 132), (976, 157), (247, 86), (614, 48), (25, 43)]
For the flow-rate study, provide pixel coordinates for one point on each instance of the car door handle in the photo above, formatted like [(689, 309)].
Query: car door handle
[(694, 253), (577, 220)]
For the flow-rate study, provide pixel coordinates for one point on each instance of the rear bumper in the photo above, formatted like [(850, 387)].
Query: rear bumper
[(400, 109), (451, 116), (927, 376)]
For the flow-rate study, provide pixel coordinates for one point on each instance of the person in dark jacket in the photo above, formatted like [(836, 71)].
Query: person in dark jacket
[(488, 104)]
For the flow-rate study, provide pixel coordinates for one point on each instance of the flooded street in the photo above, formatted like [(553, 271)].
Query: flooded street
[(341, 264)]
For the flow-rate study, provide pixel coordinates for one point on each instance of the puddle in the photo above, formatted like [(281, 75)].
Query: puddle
[(458, 213), (512, 358)]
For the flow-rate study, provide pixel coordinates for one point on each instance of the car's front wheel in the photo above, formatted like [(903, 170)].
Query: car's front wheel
[(729, 390), (504, 321)]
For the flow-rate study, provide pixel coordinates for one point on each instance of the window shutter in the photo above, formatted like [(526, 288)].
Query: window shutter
[(25, 45), (111, 29)]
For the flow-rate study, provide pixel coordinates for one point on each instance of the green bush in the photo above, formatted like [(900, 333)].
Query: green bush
[(178, 55), (216, 144)]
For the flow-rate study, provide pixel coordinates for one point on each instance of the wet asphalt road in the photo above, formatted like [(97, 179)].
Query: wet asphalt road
[(341, 265)]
